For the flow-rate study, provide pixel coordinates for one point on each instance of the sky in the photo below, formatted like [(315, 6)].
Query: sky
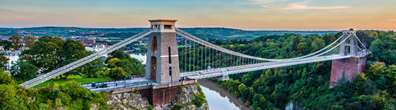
[(244, 14)]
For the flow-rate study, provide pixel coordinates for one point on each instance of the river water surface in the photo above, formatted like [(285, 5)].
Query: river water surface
[(220, 99)]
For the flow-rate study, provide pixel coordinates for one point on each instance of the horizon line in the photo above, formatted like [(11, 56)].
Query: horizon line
[(245, 29)]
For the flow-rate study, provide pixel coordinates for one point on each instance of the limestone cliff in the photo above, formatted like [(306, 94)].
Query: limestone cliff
[(191, 97), (127, 101)]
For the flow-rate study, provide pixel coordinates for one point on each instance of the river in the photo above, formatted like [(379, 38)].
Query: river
[(217, 97), (220, 99)]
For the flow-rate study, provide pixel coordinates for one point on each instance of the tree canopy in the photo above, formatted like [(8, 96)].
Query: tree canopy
[(70, 96), (49, 53), (3, 61), (307, 86), (122, 65)]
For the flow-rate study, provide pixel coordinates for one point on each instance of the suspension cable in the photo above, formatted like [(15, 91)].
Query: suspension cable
[(196, 39)]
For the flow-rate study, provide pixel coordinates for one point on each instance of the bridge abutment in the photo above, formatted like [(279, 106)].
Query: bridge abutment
[(346, 69), (161, 97)]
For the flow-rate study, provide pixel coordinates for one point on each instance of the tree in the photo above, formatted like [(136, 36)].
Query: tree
[(3, 61), (384, 49), (127, 63), (70, 96), (16, 42), (29, 41), (317, 43), (307, 86), (114, 62), (5, 78), (45, 55), (23, 70), (11, 97), (10, 100), (94, 69), (49, 53), (6, 44), (118, 73), (119, 54), (72, 51)]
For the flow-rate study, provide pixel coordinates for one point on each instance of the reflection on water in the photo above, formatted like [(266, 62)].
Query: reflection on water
[(219, 98), (218, 102)]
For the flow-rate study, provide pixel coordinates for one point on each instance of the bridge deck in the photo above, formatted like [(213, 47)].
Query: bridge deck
[(146, 83), (132, 83), (136, 83)]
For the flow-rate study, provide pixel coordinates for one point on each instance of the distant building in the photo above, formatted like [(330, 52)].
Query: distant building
[(96, 48), (1, 48), (13, 57), (89, 41)]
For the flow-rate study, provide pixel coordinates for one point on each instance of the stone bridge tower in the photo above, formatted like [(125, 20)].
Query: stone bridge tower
[(162, 57), (348, 69), (162, 63)]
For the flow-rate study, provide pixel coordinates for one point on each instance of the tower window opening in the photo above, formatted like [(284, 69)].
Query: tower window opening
[(169, 55), (347, 50), (154, 44), (170, 71), (167, 26)]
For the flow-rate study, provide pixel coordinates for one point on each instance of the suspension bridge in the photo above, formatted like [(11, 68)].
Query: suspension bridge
[(175, 57)]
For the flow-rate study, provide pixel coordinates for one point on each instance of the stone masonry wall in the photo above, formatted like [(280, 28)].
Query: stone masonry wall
[(346, 69)]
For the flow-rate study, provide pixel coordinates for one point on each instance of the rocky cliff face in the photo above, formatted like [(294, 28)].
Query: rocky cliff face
[(128, 101), (191, 97)]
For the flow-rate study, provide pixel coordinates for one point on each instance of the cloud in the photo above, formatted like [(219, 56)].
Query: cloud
[(265, 3), (286, 4), (303, 6), (5, 10)]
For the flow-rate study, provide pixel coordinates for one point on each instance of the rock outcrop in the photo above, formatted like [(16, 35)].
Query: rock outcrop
[(190, 97), (128, 101)]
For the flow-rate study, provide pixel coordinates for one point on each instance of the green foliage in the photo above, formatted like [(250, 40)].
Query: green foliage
[(70, 96), (5, 78), (118, 73), (29, 41), (150, 107), (80, 80), (307, 86), (130, 65), (10, 98), (7, 45), (177, 107), (122, 65), (45, 54), (3, 61), (72, 51), (16, 42), (384, 48), (49, 53), (199, 99), (24, 71)]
